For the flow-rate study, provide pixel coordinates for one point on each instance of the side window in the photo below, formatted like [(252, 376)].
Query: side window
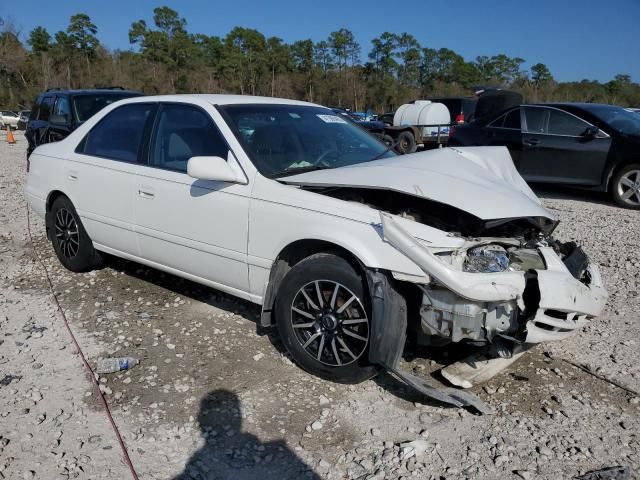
[(35, 109), (561, 123), (182, 132), (118, 136), (45, 108), (62, 108), (498, 122), (512, 119), (536, 119)]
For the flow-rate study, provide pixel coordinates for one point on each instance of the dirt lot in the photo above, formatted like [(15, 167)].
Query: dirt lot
[(214, 399)]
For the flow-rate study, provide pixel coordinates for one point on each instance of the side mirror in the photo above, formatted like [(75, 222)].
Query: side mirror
[(590, 132), (59, 119), (213, 168)]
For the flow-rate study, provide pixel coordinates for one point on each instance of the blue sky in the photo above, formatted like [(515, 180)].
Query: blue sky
[(577, 39)]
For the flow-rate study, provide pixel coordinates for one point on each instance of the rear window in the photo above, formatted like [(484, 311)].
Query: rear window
[(85, 106), (118, 136), (45, 108), (536, 119), (512, 119)]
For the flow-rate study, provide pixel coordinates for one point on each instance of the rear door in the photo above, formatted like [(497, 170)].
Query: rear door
[(198, 227), (101, 175), (556, 150), (38, 128), (506, 131), (60, 125)]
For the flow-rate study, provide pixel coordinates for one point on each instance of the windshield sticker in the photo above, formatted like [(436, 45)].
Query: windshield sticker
[(331, 119), (294, 115)]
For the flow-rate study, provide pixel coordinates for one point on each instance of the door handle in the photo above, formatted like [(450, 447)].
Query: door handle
[(146, 192), (72, 175), (532, 141)]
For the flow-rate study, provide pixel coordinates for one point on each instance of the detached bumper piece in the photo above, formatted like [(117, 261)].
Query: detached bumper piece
[(566, 304), (480, 367), (450, 396), (388, 335)]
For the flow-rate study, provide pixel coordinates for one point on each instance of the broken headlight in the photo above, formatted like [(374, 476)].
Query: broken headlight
[(487, 259)]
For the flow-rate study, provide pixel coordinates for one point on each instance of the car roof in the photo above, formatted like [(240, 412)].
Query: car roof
[(582, 105), (84, 91), (222, 99)]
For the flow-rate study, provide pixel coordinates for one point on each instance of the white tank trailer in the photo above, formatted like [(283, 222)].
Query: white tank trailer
[(422, 122)]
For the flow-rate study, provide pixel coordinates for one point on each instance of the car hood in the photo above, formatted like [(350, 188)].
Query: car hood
[(479, 180)]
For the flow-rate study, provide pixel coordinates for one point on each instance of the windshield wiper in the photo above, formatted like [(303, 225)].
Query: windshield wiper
[(295, 171), (379, 156)]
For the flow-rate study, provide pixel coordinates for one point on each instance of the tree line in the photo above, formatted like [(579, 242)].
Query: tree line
[(166, 58)]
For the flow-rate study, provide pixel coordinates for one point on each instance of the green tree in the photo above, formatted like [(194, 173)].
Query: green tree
[(303, 59), (82, 35), (540, 74), (169, 44), (278, 59), (409, 54), (39, 40)]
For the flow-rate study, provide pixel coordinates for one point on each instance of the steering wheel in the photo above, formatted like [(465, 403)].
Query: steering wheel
[(321, 158)]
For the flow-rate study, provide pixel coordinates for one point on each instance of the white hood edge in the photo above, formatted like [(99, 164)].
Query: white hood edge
[(479, 180)]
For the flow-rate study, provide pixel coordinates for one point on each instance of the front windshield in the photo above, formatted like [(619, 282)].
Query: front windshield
[(618, 118), (288, 139), (85, 106)]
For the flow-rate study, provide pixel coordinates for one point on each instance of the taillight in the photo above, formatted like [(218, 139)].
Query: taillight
[(460, 118)]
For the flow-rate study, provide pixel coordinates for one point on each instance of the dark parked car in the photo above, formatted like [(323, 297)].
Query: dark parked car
[(374, 126), (461, 109), (586, 145), (56, 112)]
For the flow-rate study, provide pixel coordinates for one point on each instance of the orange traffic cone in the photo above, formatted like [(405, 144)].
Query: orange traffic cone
[(10, 137)]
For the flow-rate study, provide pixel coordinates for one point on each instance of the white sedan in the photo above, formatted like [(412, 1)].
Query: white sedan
[(347, 247), (9, 118)]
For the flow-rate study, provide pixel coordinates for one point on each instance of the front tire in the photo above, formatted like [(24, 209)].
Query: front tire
[(625, 187), (323, 317), (70, 240)]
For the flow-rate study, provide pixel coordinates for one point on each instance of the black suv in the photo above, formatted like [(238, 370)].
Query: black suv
[(58, 112)]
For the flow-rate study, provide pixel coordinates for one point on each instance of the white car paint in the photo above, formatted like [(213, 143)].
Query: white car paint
[(9, 118), (481, 180), (228, 234)]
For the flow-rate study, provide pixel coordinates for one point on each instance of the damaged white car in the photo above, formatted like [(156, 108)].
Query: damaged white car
[(348, 248)]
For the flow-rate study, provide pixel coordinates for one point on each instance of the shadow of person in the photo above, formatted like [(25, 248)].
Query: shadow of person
[(229, 453)]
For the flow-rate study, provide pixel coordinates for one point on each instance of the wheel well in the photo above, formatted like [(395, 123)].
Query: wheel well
[(50, 199), (290, 256), (615, 169)]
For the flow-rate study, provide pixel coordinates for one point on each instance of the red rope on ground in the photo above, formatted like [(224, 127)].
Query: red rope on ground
[(95, 383)]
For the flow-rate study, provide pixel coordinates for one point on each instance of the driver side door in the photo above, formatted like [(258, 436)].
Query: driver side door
[(195, 227), (556, 150)]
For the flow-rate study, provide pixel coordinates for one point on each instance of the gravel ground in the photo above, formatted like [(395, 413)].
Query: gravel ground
[(214, 398)]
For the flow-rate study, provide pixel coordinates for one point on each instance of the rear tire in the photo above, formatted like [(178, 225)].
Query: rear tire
[(625, 187), (312, 325), (70, 240), (406, 143)]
